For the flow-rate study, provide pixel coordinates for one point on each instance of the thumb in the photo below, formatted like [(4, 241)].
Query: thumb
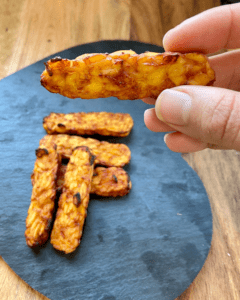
[(209, 115)]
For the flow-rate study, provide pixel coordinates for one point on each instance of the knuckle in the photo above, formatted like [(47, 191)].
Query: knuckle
[(222, 121)]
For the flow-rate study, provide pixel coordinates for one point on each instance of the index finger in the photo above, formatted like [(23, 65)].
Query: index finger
[(207, 32)]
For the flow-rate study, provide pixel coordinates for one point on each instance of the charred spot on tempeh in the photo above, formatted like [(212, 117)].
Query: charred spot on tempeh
[(56, 58), (61, 125), (129, 182), (92, 160), (84, 148), (48, 69), (77, 199), (40, 152), (115, 178)]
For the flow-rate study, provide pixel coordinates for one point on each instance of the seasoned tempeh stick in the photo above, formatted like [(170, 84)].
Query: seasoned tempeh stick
[(103, 123), (106, 182), (42, 204), (73, 202), (107, 154), (110, 182), (125, 74)]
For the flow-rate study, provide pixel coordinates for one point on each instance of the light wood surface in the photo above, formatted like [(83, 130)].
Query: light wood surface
[(32, 30)]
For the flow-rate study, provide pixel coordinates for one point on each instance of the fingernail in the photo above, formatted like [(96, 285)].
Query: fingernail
[(166, 36), (173, 107), (147, 111), (165, 137)]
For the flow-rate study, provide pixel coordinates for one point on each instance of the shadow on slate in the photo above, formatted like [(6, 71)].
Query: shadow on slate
[(150, 244)]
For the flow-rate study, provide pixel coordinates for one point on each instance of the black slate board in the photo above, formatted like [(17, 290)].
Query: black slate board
[(150, 244)]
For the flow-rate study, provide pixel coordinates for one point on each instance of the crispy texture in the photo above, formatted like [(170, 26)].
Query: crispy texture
[(103, 123), (110, 182), (125, 74), (107, 154), (73, 202), (106, 182), (42, 204)]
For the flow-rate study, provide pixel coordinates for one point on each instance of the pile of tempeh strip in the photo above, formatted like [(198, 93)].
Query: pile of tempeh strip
[(93, 167)]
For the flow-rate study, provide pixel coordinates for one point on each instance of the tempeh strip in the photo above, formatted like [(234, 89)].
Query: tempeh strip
[(107, 154), (42, 204), (81, 123), (110, 182), (106, 182), (73, 202), (125, 74)]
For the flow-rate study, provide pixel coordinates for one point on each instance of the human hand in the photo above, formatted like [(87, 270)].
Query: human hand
[(200, 117)]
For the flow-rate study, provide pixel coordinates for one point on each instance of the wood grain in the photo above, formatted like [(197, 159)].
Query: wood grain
[(219, 278), (35, 29), (32, 30)]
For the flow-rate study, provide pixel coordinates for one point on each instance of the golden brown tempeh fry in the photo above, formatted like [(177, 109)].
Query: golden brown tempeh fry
[(103, 123), (107, 154), (43, 196), (110, 182), (106, 182), (125, 74), (73, 202)]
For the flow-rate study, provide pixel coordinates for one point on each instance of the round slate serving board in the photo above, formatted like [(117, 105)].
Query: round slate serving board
[(150, 244)]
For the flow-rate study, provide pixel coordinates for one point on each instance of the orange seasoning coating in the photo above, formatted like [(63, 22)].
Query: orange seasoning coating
[(107, 154), (125, 74), (73, 202), (103, 123), (110, 182), (42, 204), (106, 182)]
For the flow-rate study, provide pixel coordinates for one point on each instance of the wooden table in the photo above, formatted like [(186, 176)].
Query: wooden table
[(32, 30)]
